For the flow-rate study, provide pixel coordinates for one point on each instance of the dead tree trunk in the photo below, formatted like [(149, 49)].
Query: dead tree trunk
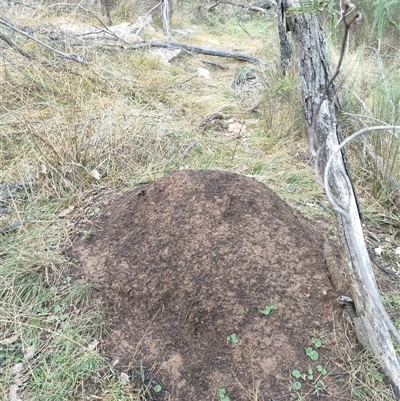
[(286, 51), (315, 73), (165, 16)]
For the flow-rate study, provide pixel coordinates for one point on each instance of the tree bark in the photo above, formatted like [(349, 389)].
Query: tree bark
[(286, 50), (315, 74), (165, 16)]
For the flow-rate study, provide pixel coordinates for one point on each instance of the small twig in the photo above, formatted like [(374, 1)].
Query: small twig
[(73, 57), (9, 190), (219, 65), (211, 8), (191, 304), (24, 5), (89, 12), (183, 82), (145, 18), (210, 118), (243, 28), (14, 46), (12, 227), (231, 3), (187, 150), (239, 137)]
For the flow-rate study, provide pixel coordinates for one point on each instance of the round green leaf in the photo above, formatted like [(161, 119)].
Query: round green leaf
[(296, 386)]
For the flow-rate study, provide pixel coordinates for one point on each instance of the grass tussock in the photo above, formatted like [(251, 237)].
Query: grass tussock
[(371, 99), (124, 117)]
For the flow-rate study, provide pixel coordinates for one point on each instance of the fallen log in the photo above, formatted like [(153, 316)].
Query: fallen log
[(371, 323), (194, 49)]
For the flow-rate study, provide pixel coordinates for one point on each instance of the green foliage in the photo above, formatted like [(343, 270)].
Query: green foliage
[(223, 396), (296, 386), (157, 388), (322, 370), (268, 309), (384, 10), (232, 338), (308, 7), (296, 374), (319, 386), (380, 167), (310, 379), (312, 354)]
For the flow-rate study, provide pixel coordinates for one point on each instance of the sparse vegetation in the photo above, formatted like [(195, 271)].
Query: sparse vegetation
[(223, 396), (310, 381), (232, 338), (81, 131), (269, 309)]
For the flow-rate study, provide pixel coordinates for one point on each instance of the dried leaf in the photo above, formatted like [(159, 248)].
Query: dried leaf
[(204, 73), (17, 368), (95, 174), (124, 379), (29, 352), (66, 211), (93, 345), (9, 340), (13, 393)]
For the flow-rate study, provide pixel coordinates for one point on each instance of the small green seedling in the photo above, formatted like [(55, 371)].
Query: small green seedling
[(232, 338), (246, 311), (319, 386), (157, 388), (312, 354), (268, 309), (322, 370), (296, 386), (223, 396), (317, 342), (93, 212), (296, 374)]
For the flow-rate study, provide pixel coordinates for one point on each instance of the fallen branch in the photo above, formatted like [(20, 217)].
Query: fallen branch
[(194, 49), (174, 45), (14, 46), (74, 57), (12, 227), (231, 3), (8, 191)]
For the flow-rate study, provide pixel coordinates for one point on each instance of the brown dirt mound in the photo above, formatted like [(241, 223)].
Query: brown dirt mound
[(193, 258)]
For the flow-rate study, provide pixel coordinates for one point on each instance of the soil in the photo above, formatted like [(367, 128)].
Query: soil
[(189, 260)]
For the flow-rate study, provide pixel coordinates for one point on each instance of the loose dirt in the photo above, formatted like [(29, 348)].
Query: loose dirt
[(186, 262)]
